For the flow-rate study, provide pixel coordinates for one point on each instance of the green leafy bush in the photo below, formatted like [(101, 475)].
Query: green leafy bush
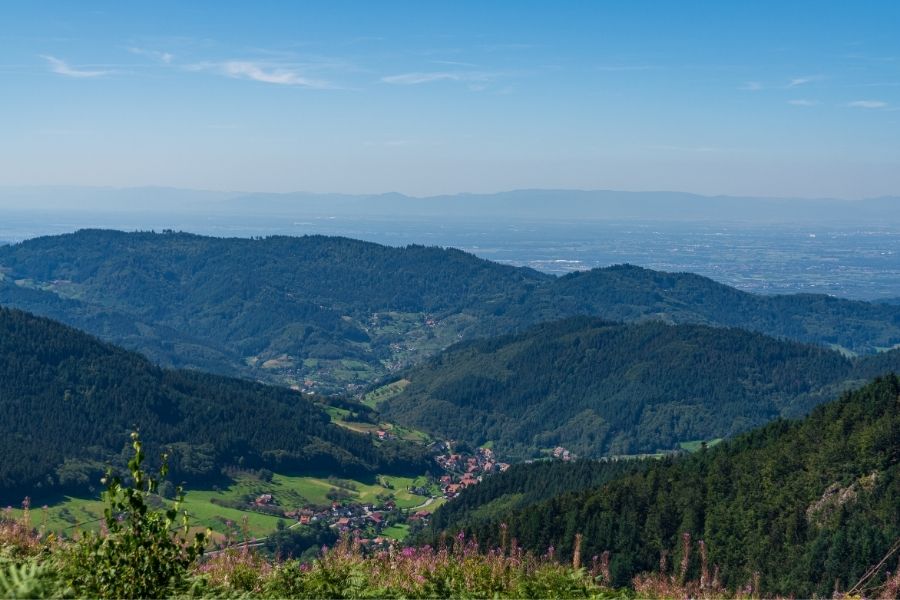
[(138, 556)]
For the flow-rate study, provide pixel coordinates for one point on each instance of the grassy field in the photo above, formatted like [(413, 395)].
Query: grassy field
[(341, 416), (398, 532), (65, 515), (384, 392), (315, 489), (695, 445), (204, 506)]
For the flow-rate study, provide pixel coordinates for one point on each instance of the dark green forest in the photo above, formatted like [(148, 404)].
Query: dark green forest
[(803, 504), (599, 388), (214, 304), (524, 485), (68, 401)]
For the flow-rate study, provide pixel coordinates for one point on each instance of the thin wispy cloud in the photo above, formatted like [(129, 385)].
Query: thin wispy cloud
[(417, 78), (263, 73), (869, 104), (61, 67), (751, 86), (164, 57), (803, 102), (798, 81)]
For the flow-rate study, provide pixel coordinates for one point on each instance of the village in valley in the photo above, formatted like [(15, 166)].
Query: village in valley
[(382, 521)]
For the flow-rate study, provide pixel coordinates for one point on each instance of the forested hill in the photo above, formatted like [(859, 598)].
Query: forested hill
[(68, 403), (600, 388), (282, 308), (630, 293), (805, 504), (344, 313)]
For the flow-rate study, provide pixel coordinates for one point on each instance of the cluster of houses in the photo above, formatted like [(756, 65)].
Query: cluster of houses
[(358, 520), (384, 435), (463, 470), (562, 454), (366, 522)]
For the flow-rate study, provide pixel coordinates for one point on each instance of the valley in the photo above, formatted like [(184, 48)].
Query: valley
[(469, 300)]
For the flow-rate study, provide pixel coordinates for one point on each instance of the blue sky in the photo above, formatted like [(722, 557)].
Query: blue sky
[(754, 98)]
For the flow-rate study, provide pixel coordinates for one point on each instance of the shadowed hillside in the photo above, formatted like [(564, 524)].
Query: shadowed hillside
[(599, 388), (68, 400), (806, 504)]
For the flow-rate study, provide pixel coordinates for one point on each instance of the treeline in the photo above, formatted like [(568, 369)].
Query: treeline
[(193, 301), (599, 388), (804, 505), (67, 402)]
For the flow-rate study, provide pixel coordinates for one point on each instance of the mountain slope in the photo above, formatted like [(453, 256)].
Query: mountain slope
[(343, 313), (599, 388), (257, 307), (804, 504), (69, 401)]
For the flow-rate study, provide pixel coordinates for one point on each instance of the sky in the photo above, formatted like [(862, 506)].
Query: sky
[(771, 98)]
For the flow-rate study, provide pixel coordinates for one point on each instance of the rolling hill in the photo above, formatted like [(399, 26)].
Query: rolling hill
[(69, 401), (600, 388), (334, 314)]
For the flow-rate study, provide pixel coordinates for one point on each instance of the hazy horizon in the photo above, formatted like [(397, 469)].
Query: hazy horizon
[(394, 192)]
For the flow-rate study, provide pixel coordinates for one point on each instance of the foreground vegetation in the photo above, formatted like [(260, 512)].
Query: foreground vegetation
[(804, 508), (795, 508), (147, 553)]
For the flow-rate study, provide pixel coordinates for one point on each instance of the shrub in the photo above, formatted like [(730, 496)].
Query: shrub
[(138, 556)]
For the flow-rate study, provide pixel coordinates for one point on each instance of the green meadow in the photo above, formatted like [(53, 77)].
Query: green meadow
[(227, 509)]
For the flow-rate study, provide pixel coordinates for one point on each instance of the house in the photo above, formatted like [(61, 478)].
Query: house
[(264, 500)]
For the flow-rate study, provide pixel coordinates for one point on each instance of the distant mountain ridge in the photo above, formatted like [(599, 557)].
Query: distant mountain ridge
[(344, 313), (534, 204)]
